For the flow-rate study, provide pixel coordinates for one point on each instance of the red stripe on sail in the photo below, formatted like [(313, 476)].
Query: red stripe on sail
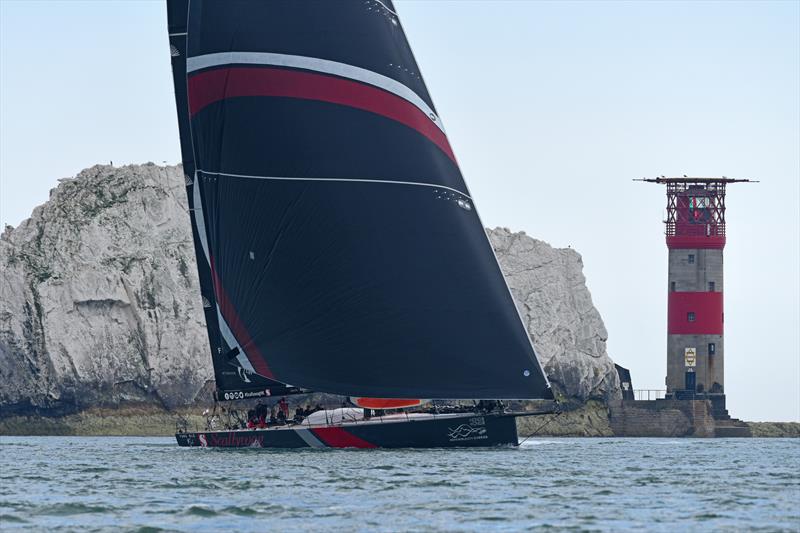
[(230, 315), (211, 86), (337, 437)]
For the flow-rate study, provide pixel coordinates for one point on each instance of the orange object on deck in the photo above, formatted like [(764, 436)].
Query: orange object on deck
[(387, 403)]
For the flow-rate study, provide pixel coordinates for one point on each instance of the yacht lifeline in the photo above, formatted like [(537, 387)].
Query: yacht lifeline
[(338, 247)]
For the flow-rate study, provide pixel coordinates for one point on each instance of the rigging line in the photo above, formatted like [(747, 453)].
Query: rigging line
[(361, 180), (541, 427)]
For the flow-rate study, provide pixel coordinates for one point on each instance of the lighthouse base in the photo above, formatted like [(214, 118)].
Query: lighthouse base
[(674, 417)]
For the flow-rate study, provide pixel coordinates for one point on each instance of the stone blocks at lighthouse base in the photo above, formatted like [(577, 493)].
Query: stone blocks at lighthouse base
[(674, 418)]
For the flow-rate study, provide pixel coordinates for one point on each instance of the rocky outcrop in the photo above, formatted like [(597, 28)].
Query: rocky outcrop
[(775, 429), (99, 300), (574, 419), (567, 331)]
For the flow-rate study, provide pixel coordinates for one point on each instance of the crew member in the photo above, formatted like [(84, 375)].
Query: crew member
[(283, 405)]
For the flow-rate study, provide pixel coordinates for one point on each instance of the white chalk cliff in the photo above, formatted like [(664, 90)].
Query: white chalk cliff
[(99, 300), (567, 331)]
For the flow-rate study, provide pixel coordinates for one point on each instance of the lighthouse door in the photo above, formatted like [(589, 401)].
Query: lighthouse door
[(691, 381)]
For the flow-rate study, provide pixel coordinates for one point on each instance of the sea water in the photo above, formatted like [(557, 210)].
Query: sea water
[(150, 484)]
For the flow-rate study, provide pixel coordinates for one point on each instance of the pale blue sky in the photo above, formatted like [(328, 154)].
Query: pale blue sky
[(551, 108)]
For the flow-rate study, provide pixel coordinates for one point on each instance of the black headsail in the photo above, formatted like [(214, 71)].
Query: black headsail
[(345, 252), (234, 376)]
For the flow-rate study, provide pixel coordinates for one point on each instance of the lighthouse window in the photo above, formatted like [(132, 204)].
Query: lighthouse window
[(691, 259), (672, 286), (690, 316), (711, 286), (712, 348)]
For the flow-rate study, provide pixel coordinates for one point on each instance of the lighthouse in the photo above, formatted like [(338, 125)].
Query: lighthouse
[(695, 235)]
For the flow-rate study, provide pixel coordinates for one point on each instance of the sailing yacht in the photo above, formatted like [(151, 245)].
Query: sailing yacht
[(339, 249)]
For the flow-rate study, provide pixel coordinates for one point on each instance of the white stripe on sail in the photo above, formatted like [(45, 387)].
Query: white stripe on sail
[(360, 180), (325, 66), (386, 7), (199, 221), (224, 329), (227, 334)]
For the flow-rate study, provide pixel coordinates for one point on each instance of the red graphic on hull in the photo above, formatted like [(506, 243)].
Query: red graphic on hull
[(337, 437)]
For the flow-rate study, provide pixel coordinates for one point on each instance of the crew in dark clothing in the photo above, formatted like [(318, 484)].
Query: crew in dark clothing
[(298, 415), (283, 405), (488, 406), (260, 415)]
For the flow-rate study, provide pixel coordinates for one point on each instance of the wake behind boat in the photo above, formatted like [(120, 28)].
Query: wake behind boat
[(338, 247)]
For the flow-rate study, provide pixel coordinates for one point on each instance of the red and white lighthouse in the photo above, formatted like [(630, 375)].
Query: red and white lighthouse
[(695, 231)]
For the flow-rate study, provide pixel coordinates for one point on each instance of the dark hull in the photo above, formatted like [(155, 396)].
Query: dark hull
[(434, 432)]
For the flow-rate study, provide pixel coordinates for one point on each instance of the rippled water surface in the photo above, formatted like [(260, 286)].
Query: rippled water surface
[(150, 484)]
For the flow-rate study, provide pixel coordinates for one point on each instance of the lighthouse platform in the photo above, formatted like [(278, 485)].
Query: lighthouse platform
[(673, 418)]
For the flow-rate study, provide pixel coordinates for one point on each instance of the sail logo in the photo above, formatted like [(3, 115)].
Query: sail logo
[(243, 374), (202, 439)]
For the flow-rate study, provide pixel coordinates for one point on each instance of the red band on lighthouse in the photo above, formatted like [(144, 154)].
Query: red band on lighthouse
[(695, 242), (695, 313)]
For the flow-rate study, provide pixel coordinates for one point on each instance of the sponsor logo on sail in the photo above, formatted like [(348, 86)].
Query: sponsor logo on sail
[(240, 395)]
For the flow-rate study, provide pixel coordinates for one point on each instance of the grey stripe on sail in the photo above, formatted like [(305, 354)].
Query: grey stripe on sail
[(357, 180)]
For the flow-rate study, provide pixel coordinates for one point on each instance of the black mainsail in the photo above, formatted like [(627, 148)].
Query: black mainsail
[(339, 247)]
